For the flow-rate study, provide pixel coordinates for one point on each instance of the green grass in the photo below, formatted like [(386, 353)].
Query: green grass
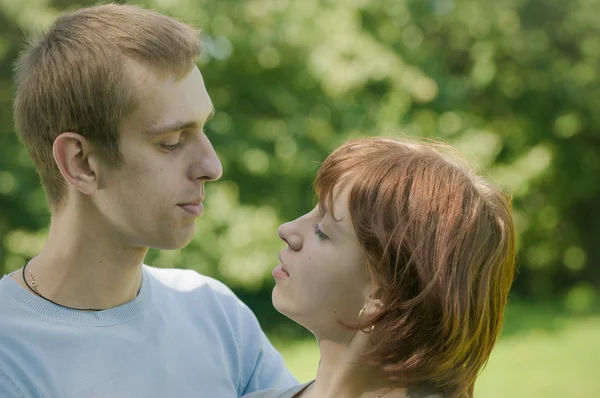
[(560, 359)]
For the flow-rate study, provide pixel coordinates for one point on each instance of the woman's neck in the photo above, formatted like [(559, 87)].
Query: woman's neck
[(341, 374)]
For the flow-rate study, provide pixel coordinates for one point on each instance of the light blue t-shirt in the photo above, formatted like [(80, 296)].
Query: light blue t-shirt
[(185, 335)]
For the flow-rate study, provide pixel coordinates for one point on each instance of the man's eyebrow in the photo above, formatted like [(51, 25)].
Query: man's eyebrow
[(177, 126)]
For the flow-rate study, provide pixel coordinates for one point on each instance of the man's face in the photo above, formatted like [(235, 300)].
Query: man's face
[(153, 198)]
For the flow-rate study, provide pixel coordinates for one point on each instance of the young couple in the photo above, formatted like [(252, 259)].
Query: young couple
[(401, 271)]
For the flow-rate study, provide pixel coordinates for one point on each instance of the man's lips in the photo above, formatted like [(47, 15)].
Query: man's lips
[(194, 208)]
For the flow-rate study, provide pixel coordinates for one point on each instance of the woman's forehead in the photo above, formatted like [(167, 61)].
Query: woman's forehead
[(339, 214)]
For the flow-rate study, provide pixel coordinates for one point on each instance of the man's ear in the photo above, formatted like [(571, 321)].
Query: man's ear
[(71, 153)]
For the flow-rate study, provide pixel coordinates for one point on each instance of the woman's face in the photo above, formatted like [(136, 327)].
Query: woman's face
[(324, 277)]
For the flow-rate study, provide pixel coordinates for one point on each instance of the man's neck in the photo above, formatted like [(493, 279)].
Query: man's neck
[(83, 266), (340, 374)]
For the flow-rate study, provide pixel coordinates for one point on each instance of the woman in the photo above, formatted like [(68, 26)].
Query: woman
[(401, 272)]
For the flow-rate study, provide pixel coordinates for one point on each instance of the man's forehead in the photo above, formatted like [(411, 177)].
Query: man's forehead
[(166, 106), (154, 128)]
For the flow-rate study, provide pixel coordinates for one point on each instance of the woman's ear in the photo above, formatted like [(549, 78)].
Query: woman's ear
[(373, 304), (71, 153)]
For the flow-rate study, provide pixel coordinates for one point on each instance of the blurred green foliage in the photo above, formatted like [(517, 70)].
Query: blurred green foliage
[(513, 84)]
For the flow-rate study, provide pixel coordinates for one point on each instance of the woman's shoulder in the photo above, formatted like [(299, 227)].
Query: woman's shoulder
[(279, 393)]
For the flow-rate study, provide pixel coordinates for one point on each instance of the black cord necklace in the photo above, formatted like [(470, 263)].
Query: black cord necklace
[(34, 290)]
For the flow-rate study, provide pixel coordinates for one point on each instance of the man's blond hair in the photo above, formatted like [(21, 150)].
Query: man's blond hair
[(73, 78)]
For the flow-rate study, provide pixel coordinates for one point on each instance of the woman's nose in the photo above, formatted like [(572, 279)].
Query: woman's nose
[(289, 234)]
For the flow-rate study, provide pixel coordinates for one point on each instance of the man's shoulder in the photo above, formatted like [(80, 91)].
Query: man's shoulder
[(203, 298), (186, 280)]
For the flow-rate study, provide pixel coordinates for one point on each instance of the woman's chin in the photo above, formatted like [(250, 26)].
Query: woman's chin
[(285, 305), (279, 301)]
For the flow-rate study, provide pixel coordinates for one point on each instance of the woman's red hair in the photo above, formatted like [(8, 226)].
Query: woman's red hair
[(440, 243)]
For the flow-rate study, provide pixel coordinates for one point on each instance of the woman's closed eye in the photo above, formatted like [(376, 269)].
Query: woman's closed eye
[(319, 233)]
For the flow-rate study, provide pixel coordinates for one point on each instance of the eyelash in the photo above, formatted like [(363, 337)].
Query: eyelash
[(172, 147), (319, 233)]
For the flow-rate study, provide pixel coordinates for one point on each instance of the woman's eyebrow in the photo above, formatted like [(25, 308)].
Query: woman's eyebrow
[(335, 224)]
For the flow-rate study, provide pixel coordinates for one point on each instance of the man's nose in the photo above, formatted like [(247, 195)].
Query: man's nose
[(208, 166)]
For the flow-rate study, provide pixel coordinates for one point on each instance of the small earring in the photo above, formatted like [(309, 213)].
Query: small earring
[(360, 313)]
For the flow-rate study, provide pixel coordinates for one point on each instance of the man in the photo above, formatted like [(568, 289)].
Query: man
[(111, 107)]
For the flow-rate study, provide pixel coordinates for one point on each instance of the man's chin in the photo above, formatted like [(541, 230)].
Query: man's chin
[(174, 243)]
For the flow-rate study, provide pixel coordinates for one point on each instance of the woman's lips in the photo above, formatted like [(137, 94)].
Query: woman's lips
[(280, 273)]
